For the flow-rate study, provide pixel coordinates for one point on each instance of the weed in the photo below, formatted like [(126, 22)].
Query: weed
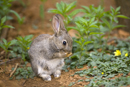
[(24, 43), (3, 20), (22, 3), (4, 14), (42, 10), (24, 72), (107, 66), (5, 45), (5, 10)]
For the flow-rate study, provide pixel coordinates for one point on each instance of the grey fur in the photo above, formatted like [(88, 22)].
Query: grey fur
[(47, 52)]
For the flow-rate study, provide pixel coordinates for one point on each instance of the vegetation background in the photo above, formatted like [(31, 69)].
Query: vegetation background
[(100, 41)]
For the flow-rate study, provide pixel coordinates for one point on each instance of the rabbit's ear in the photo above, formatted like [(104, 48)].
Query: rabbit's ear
[(57, 23), (61, 22)]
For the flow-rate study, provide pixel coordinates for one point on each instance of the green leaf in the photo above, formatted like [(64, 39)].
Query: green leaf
[(73, 63), (112, 9), (87, 42), (91, 20), (7, 26), (93, 26), (72, 83), (13, 42), (2, 46), (16, 14), (78, 25), (3, 20), (70, 27), (107, 23), (8, 44), (91, 33), (86, 8), (87, 80), (73, 13), (118, 8), (28, 37), (20, 20), (74, 56), (54, 11), (78, 42), (93, 23), (123, 16), (63, 6), (19, 77), (70, 6), (59, 7), (99, 9), (5, 41), (93, 63), (82, 19), (118, 26), (81, 75)]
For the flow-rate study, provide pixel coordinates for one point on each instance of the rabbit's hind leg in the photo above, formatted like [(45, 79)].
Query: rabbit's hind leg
[(40, 70), (44, 74), (57, 73)]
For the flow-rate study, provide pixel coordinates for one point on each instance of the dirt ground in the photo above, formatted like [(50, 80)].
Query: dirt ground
[(33, 24), (63, 81)]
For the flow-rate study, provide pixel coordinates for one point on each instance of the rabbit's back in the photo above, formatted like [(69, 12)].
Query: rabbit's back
[(40, 38), (39, 47)]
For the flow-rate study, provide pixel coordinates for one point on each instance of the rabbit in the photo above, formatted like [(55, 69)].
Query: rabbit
[(47, 52)]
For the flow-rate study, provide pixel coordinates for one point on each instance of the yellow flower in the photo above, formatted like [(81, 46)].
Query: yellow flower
[(102, 73), (126, 54), (117, 53), (28, 48)]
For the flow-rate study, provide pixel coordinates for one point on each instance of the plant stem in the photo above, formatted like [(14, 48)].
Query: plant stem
[(22, 57), (107, 39), (102, 3), (80, 57), (5, 60), (99, 31)]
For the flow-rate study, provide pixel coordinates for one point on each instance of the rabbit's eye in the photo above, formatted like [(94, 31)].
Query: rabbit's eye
[(64, 42)]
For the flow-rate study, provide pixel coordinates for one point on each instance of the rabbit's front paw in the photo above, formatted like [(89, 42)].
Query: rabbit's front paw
[(56, 76), (68, 54)]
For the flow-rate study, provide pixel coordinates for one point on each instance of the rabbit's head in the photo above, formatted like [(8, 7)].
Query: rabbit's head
[(62, 39)]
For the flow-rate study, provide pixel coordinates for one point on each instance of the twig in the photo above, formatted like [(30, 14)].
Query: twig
[(9, 61), (14, 70), (25, 82), (115, 39)]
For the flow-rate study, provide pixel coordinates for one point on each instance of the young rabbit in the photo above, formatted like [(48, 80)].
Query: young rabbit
[(47, 52)]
